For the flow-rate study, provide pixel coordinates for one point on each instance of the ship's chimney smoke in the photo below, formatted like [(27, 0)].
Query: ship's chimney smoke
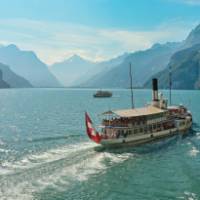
[(155, 89)]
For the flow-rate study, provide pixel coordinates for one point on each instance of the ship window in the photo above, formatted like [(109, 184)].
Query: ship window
[(135, 131), (183, 123)]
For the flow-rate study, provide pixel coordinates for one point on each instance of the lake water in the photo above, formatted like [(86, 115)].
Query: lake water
[(45, 154)]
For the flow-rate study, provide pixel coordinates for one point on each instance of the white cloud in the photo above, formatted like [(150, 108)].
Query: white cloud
[(53, 41)]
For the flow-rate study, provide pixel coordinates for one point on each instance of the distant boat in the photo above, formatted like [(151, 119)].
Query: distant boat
[(101, 93)]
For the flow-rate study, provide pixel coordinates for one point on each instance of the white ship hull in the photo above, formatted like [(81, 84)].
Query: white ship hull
[(145, 138)]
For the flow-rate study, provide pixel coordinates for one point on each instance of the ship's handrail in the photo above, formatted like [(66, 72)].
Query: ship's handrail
[(114, 135), (136, 126)]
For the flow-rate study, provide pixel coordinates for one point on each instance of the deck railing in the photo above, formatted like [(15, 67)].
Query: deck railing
[(124, 131)]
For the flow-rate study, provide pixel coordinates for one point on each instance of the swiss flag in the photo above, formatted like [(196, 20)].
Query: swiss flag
[(92, 133)]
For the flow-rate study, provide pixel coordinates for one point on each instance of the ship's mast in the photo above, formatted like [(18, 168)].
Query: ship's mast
[(131, 86), (170, 85)]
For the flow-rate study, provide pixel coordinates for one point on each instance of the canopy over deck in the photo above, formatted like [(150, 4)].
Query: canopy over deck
[(127, 113)]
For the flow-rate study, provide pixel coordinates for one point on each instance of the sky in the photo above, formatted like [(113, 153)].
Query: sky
[(94, 29)]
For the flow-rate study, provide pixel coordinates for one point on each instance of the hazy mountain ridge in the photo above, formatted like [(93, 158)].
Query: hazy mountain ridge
[(145, 63), (76, 71), (71, 69), (3, 84), (13, 80), (27, 65), (193, 38), (184, 65), (185, 68), (100, 71)]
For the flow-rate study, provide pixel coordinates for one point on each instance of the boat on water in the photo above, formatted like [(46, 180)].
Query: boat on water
[(140, 125), (102, 94)]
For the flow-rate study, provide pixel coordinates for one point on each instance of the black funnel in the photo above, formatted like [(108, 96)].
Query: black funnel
[(155, 89), (155, 83)]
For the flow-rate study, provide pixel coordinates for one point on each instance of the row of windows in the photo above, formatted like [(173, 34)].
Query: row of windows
[(140, 130), (116, 133), (156, 120)]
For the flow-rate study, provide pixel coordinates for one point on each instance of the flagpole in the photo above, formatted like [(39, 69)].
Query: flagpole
[(170, 85), (131, 86)]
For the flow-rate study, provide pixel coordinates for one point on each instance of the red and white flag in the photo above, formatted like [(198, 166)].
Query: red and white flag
[(92, 133)]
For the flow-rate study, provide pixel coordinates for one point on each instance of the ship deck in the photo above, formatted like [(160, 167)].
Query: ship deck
[(136, 112)]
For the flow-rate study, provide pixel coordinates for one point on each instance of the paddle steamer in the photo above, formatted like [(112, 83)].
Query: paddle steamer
[(141, 125)]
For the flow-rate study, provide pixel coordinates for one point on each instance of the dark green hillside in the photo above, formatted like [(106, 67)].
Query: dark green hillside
[(185, 66)]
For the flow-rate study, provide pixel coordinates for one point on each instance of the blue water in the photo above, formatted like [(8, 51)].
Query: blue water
[(45, 154)]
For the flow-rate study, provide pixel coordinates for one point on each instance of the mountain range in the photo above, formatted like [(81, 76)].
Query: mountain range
[(71, 69), (144, 64), (101, 69), (3, 84), (182, 57), (12, 79), (24, 69), (184, 65), (76, 71), (193, 38), (27, 65)]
